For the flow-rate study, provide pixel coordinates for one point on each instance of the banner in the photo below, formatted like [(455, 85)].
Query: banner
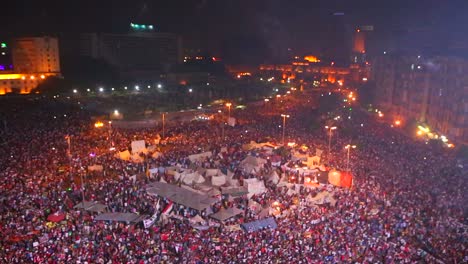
[(138, 146)]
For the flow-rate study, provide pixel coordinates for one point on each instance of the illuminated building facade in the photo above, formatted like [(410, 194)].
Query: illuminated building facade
[(432, 91), (33, 59), (35, 55)]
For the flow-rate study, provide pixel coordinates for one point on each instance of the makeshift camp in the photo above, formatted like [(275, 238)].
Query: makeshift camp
[(322, 198), (180, 195), (200, 156), (260, 224), (254, 186), (91, 206), (218, 180), (95, 167), (252, 164), (234, 191), (223, 215), (121, 217), (197, 220), (273, 177), (138, 146), (254, 206)]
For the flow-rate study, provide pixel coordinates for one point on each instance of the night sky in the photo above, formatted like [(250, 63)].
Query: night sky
[(252, 30)]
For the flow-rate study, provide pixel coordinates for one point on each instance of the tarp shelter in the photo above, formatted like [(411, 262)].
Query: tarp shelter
[(197, 219), (180, 195), (252, 164), (223, 215), (218, 180), (322, 198), (234, 191), (121, 217), (200, 156), (95, 167), (138, 146), (260, 224), (91, 206), (254, 186)]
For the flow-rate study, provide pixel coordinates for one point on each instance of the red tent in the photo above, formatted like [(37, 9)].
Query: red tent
[(56, 217), (346, 179)]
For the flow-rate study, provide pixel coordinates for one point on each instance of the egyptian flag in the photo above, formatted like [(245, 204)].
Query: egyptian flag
[(168, 208)]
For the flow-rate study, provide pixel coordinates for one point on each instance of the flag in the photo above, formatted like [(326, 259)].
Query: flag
[(168, 208), (147, 170)]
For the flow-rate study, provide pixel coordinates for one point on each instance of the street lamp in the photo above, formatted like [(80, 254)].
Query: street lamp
[(163, 124), (284, 125), (349, 147), (329, 139), (229, 109)]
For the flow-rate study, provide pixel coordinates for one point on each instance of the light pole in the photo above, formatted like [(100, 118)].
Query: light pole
[(329, 139), (349, 147), (68, 138), (229, 109), (110, 133), (163, 124), (284, 125)]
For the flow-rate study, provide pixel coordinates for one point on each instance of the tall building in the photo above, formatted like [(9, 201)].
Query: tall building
[(35, 55), (432, 91), (32, 60), (137, 54)]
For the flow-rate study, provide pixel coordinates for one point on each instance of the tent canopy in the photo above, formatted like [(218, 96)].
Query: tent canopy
[(180, 195), (120, 217), (226, 214)]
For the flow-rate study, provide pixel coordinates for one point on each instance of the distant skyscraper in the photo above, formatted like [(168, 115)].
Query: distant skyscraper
[(35, 55)]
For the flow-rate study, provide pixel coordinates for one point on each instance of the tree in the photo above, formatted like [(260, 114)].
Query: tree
[(54, 85)]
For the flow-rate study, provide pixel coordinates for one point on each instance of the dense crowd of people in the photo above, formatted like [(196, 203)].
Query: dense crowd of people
[(407, 203)]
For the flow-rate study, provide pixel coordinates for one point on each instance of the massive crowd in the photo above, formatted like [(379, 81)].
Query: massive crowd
[(407, 204)]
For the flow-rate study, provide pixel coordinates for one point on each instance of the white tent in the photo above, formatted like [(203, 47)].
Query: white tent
[(218, 180), (254, 186), (252, 164), (273, 177)]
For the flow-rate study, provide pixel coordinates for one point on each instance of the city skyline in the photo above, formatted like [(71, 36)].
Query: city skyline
[(245, 32)]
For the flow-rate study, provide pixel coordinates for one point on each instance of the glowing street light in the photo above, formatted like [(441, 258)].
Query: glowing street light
[(159, 85), (349, 147), (101, 89), (75, 91), (190, 90), (397, 122), (98, 124), (229, 109), (330, 129), (284, 125), (137, 87)]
